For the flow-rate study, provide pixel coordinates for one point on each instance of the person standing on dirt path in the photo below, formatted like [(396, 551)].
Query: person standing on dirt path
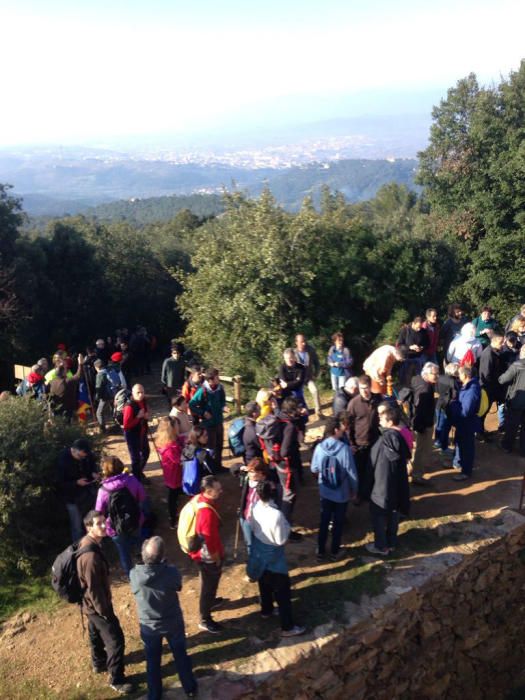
[(210, 556), (173, 373), (135, 424), (306, 355), (209, 402), (155, 585), (106, 638), (76, 474)]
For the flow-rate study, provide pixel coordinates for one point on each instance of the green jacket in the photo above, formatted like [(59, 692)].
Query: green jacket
[(207, 400)]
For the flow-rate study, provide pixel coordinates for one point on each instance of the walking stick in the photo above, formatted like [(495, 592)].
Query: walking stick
[(91, 405), (236, 545)]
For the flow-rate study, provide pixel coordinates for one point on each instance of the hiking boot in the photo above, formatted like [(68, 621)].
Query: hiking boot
[(123, 688), (337, 556), (320, 556), (461, 477), (267, 616), (294, 632), (210, 626), (370, 547)]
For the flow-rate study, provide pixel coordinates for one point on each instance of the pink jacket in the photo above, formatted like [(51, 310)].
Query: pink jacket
[(170, 456), (117, 482)]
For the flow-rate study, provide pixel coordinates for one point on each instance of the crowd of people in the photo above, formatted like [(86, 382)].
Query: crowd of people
[(377, 444)]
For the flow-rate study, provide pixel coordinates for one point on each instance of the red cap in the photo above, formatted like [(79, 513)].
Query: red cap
[(116, 357)]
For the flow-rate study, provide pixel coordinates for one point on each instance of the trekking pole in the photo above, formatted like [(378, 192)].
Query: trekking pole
[(91, 405), (236, 545)]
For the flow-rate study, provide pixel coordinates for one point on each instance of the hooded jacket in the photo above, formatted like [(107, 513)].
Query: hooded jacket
[(462, 343), (113, 483), (209, 400), (332, 447), (464, 410), (155, 587), (388, 458)]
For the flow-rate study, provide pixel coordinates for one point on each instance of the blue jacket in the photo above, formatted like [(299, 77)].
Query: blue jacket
[(331, 447), (155, 587), (464, 409)]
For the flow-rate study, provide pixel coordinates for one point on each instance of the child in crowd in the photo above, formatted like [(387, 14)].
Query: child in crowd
[(179, 410), (170, 445)]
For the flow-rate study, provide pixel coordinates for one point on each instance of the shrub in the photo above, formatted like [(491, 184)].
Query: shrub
[(32, 518)]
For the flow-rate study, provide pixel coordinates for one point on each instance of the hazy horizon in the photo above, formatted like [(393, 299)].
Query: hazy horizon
[(131, 71)]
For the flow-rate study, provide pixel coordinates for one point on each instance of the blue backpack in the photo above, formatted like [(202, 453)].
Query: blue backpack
[(114, 381), (235, 434), (331, 472)]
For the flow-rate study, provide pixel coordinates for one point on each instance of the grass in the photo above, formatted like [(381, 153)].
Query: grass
[(18, 593)]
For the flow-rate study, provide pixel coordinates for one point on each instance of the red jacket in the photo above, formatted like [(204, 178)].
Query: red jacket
[(207, 525), (130, 421), (170, 456)]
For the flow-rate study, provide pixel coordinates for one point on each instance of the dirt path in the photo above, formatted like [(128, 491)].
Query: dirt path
[(48, 656)]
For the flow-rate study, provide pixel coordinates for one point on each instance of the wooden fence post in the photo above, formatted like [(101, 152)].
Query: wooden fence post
[(237, 392)]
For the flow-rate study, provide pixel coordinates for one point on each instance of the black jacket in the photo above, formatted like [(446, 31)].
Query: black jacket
[(448, 388), (424, 404), (409, 336), (250, 441), (293, 376), (515, 378), (388, 459), (490, 368), (290, 442), (69, 471)]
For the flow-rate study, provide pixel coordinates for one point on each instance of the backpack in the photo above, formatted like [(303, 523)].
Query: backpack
[(114, 381), (124, 510), (122, 397), (235, 435), (189, 540), (64, 575), (269, 431), (483, 404), (331, 472)]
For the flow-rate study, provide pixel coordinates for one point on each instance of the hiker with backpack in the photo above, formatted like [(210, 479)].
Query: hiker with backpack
[(250, 441), (197, 461), (463, 413), (121, 498), (288, 459), (106, 638), (156, 585), (209, 402), (338, 482), (465, 348), (33, 386), (105, 392), (390, 492), (63, 390), (209, 554), (77, 475), (267, 560), (135, 424), (169, 445)]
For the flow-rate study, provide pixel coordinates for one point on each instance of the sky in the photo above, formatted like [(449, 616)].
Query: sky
[(74, 71)]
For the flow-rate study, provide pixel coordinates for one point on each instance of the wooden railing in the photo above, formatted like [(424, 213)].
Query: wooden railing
[(235, 398)]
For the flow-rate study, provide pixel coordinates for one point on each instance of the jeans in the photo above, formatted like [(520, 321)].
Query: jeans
[(100, 413), (276, 586), (385, 524), (106, 640), (153, 649), (138, 448), (125, 544), (442, 429), (247, 533), (210, 577), (338, 382), (335, 512), (75, 521), (409, 368)]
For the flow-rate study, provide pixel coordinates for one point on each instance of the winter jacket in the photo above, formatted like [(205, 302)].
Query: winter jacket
[(207, 525), (93, 574), (408, 336), (155, 587), (114, 483), (310, 361), (490, 368), (102, 386), (294, 377), (341, 401), (424, 404), (481, 325), (250, 441), (449, 330), (461, 344), (208, 400), (290, 442), (204, 457), (344, 361), (464, 410), (173, 373), (171, 461), (515, 378), (70, 470), (388, 458), (331, 447), (448, 388), (131, 422), (364, 421)]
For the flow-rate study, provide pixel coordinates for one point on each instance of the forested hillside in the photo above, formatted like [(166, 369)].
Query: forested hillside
[(238, 286)]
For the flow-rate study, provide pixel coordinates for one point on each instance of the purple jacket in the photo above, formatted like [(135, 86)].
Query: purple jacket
[(117, 482)]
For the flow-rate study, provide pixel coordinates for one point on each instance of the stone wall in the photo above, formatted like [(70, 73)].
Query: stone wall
[(450, 626)]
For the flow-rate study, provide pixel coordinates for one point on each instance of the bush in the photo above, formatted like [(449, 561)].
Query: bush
[(32, 518)]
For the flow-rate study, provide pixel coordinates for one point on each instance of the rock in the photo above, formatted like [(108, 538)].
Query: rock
[(224, 689)]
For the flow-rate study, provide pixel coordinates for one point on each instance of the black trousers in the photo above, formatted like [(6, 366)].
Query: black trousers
[(514, 420), (173, 496), (106, 640), (210, 577), (273, 586), (361, 456)]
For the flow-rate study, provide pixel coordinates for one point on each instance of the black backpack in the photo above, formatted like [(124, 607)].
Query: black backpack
[(122, 397), (123, 510), (64, 576)]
